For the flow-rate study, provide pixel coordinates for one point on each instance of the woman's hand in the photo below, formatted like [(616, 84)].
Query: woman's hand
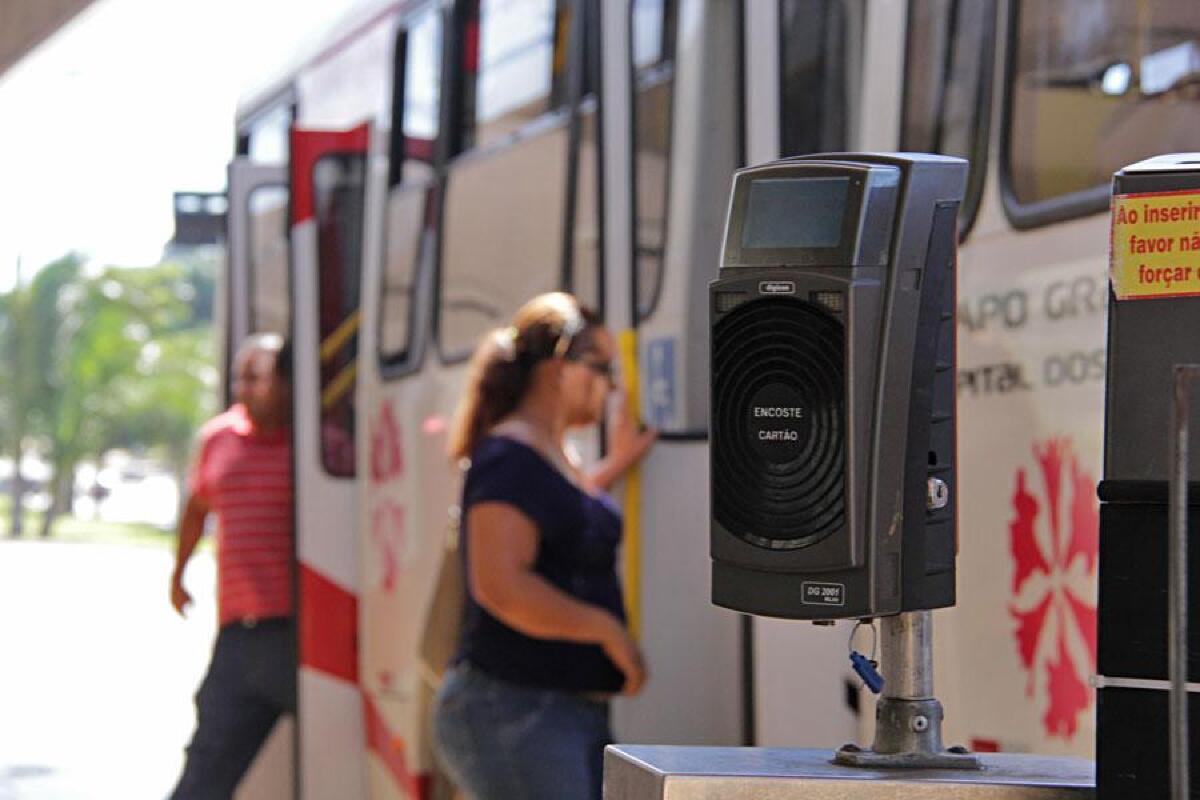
[(628, 442), (625, 654)]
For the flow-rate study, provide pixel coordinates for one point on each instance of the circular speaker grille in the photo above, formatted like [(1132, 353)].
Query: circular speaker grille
[(778, 432)]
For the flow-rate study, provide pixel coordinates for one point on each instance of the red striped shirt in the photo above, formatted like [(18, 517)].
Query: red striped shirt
[(246, 479)]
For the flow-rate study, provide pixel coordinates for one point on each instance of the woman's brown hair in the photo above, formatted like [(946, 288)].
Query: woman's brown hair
[(548, 326)]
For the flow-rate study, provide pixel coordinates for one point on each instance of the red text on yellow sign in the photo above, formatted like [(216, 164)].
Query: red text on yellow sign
[(1155, 245)]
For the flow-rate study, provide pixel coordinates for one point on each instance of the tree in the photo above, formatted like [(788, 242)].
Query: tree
[(121, 357), (30, 331), (16, 392), (175, 386), (105, 328), (172, 396), (98, 338)]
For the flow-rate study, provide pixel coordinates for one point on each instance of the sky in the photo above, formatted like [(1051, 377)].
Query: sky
[(130, 102)]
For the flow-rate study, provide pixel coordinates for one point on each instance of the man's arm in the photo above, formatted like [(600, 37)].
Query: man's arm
[(191, 528)]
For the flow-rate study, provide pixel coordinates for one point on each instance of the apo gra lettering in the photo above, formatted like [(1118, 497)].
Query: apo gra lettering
[(1058, 301)]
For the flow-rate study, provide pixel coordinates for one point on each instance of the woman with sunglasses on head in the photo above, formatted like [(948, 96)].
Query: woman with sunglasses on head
[(523, 713)]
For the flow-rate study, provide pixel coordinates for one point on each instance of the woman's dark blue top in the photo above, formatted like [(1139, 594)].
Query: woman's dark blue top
[(578, 534)]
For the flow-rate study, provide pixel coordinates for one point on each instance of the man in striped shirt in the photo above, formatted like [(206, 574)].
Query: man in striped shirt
[(242, 475)]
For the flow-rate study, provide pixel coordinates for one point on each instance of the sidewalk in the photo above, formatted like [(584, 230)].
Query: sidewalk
[(97, 671)]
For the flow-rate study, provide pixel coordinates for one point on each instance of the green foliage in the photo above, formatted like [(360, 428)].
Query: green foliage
[(14, 392), (115, 357), (200, 279), (173, 394)]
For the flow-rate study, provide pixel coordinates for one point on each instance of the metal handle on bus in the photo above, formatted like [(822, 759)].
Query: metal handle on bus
[(1177, 587)]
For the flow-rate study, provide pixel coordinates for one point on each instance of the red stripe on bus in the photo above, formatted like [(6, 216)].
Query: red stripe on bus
[(328, 626), (308, 147), (390, 750)]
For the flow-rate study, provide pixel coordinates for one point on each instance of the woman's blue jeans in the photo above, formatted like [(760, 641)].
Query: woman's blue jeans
[(501, 741)]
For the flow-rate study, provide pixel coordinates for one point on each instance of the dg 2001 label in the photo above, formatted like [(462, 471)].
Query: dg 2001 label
[(823, 594)]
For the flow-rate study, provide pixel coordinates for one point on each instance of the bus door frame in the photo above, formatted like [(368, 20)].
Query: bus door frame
[(245, 178), (273, 772), (330, 731)]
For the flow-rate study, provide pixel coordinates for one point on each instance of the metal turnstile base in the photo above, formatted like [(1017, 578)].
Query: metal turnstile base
[(647, 772), (851, 756)]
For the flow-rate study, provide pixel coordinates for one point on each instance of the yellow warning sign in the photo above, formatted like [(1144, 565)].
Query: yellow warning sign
[(1155, 248)]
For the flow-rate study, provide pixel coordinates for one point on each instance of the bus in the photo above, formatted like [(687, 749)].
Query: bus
[(430, 165)]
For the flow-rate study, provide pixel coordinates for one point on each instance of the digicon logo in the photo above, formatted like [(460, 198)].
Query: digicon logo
[(777, 287)]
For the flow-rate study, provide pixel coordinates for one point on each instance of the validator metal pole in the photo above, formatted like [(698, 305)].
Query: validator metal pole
[(1177, 580), (908, 717)]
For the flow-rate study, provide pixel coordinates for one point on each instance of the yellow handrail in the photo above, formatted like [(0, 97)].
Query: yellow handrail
[(337, 388), (632, 505), (337, 340)]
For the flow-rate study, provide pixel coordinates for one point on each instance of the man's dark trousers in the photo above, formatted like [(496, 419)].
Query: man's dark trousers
[(250, 683)]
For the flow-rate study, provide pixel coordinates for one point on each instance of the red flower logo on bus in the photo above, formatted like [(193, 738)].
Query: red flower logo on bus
[(388, 532), (1054, 538), (387, 456)]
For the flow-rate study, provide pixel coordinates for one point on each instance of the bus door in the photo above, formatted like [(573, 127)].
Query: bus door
[(681, 110), (328, 173), (407, 614), (406, 493), (254, 298), (518, 211), (810, 85)]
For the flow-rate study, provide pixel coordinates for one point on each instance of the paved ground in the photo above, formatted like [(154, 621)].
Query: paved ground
[(96, 670)]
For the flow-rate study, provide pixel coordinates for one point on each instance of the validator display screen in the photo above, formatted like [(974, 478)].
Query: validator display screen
[(785, 213)]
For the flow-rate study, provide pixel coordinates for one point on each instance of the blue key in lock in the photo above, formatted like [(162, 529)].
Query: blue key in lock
[(865, 669)]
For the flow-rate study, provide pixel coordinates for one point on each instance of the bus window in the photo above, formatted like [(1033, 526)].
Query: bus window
[(653, 34), (416, 130), (268, 260), (813, 80), (514, 43), (422, 77), (651, 31), (505, 207), (1094, 85), (264, 138), (948, 86), (338, 182), (584, 279), (586, 228)]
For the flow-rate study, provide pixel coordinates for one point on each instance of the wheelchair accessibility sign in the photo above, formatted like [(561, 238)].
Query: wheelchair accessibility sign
[(660, 381)]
